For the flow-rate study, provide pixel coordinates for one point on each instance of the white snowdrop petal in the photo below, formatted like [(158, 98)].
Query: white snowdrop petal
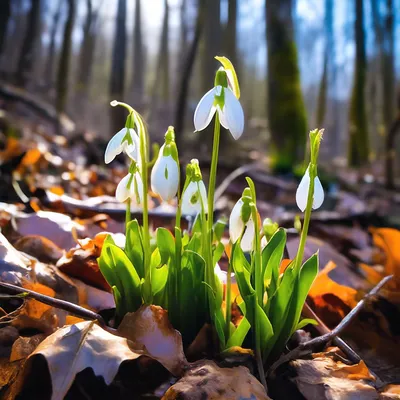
[(191, 203), (165, 177), (247, 242), (114, 146), (233, 114), (139, 183), (222, 118), (187, 207), (203, 195), (236, 224), (318, 194), (205, 110), (123, 193), (133, 150), (302, 191)]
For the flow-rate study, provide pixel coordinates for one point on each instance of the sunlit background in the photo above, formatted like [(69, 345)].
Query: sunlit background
[(155, 46)]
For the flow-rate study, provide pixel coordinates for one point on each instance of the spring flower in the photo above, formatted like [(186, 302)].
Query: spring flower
[(241, 224), (127, 141), (194, 196), (130, 186), (165, 173), (302, 192), (223, 100)]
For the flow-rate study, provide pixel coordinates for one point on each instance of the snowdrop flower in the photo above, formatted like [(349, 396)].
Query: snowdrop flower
[(127, 141), (165, 173), (241, 221), (130, 186), (303, 189), (223, 100), (195, 194)]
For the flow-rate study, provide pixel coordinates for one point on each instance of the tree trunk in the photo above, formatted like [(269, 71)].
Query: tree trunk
[(5, 12), (86, 54), (212, 43), (26, 58), (390, 148), (286, 110), (388, 72), (139, 61), (162, 80), (189, 59), (49, 69), (358, 151), (118, 67), (323, 88), (230, 33), (64, 64)]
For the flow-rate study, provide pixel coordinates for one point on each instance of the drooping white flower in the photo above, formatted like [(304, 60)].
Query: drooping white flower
[(222, 100), (303, 189), (130, 187), (238, 227), (127, 141), (194, 196), (165, 173)]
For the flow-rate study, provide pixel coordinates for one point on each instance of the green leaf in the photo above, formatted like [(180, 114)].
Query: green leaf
[(308, 273), (219, 228), (281, 300), (218, 251), (238, 336), (134, 246), (304, 322), (271, 260), (129, 278), (158, 275), (241, 268), (165, 244)]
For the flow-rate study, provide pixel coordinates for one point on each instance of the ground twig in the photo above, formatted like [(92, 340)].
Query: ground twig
[(57, 303), (307, 347)]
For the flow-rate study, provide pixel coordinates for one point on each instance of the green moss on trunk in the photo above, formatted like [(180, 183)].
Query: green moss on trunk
[(286, 110)]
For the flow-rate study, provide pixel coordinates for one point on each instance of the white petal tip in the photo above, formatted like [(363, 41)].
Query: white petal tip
[(113, 103)]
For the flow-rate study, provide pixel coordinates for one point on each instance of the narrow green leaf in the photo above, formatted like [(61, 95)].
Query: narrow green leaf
[(134, 246), (308, 273), (129, 278), (165, 244), (304, 322), (238, 336)]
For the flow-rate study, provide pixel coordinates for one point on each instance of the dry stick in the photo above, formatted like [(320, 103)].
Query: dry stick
[(57, 303), (337, 341), (305, 348)]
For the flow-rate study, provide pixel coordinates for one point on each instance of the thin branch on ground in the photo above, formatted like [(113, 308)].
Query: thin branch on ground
[(57, 303), (307, 347)]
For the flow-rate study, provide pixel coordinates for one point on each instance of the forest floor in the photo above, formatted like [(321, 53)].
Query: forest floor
[(56, 199)]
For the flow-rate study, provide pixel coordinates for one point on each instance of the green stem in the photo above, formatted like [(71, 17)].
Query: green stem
[(228, 303), (127, 214), (306, 222), (213, 172), (258, 279), (145, 212)]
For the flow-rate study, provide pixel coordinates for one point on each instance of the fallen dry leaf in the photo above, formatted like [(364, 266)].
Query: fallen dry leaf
[(388, 239), (81, 262), (73, 348), (150, 331), (205, 380), (24, 346), (37, 315), (331, 300), (325, 379), (39, 247), (390, 392)]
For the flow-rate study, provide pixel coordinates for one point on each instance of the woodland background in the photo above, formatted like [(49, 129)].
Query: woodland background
[(302, 64)]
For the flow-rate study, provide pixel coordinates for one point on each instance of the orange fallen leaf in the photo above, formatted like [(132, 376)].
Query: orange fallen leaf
[(331, 299), (388, 239)]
